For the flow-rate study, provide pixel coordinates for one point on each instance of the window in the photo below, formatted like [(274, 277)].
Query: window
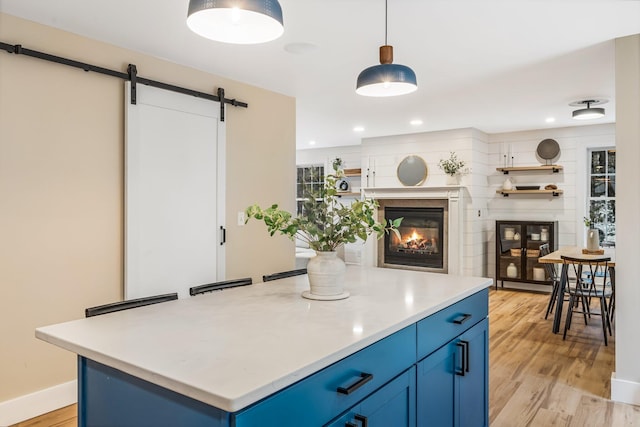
[(310, 182), (602, 194)]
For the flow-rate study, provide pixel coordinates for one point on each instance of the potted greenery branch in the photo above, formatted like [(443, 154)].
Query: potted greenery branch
[(453, 167), (325, 224)]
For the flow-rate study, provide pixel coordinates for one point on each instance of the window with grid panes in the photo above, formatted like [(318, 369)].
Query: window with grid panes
[(602, 194), (310, 181)]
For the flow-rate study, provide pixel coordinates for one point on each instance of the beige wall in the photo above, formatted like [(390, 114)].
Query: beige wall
[(628, 206), (61, 188)]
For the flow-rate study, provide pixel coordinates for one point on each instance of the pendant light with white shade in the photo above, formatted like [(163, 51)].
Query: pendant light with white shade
[(236, 21), (589, 112), (386, 79)]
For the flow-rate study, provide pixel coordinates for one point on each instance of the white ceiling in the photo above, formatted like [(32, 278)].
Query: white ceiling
[(494, 65)]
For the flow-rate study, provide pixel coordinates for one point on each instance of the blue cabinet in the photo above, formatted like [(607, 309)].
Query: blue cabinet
[(431, 373), (392, 405), (452, 382)]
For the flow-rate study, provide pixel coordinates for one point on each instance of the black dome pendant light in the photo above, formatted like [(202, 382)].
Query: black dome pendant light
[(386, 79)]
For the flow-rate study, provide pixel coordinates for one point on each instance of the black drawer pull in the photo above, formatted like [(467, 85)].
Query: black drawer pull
[(364, 378), (362, 419), (461, 319), (350, 424)]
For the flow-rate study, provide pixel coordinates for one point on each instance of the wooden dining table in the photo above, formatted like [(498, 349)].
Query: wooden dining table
[(555, 257)]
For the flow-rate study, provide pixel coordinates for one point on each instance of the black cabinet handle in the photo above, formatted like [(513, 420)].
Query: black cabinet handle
[(224, 235), (362, 419), (461, 319), (364, 378), (466, 355), (350, 424), (462, 370)]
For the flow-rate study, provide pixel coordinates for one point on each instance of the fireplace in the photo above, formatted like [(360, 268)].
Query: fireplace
[(423, 242), (421, 237)]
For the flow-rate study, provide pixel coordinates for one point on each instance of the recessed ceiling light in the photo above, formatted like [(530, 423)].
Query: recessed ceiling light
[(358, 129), (550, 119), (416, 122), (312, 143)]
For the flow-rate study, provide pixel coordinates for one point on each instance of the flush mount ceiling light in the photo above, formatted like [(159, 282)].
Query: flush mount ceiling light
[(236, 21), (589, 112), (386, 79)]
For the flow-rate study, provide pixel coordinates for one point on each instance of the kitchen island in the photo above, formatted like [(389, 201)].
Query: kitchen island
[(399, 348)]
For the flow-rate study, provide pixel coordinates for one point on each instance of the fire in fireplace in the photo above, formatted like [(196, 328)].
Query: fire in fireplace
[(422, 237)]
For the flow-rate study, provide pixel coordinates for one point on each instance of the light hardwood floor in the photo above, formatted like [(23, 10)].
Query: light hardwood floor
[(535, 378)]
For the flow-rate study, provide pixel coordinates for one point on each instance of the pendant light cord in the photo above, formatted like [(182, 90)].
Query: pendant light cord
[(386, 20)]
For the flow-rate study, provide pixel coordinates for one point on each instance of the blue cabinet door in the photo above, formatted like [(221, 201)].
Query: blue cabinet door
[(436, 387), (392, 405), (452, 382), (473, 397)]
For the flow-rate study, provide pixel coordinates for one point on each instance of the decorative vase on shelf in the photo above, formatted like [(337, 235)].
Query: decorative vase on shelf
[(453, 179), (507, 184), (326, 277), (593, 239), (512, 271)]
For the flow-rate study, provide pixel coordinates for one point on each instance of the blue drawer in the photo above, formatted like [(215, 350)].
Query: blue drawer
[(441, 327), (315, 400)]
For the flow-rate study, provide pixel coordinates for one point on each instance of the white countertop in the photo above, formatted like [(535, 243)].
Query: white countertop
[(234, 347)]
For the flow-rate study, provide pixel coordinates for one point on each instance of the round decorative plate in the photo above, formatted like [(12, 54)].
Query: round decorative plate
[(548, 149)]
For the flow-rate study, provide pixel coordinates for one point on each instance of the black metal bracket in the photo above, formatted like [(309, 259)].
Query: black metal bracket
[(130, 75), (221, 96), (133, 77)]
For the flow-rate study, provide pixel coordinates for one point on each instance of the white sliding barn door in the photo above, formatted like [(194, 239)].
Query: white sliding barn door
[(174, 192)]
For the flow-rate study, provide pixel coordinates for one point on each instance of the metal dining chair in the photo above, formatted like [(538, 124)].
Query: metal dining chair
[(217, 286), (128, 304), (588, 281), (552, 273), (283, 274)]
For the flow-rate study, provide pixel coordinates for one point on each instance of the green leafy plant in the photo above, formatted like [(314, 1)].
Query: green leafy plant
[(326, 223), (337, 163), (452, 166), (587, 222)]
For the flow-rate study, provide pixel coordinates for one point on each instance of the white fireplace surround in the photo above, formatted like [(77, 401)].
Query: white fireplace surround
[(453, 194)]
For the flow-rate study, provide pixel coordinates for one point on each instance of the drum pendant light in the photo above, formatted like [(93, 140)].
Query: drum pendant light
[(236, 21), (386, 79)]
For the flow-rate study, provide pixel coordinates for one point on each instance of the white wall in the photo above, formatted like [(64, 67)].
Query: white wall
[(568, 208), (380, 158), (483, 154), (625, 384)]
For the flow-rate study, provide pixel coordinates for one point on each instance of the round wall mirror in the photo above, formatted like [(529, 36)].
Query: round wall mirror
[(412, 170)]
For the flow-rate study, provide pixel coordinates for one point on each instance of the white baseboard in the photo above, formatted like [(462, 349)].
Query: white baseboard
[(31, 405), (624, 391)]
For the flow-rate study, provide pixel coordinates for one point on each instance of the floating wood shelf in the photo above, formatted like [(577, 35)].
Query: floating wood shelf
[(352, 172), (506, 193), (551, 168)]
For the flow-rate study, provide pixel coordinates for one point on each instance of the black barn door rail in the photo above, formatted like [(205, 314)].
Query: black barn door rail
[(131, 75)]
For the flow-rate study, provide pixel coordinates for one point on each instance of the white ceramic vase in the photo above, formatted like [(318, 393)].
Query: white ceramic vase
[(507, 184), (453, 179), (326, 277), (593, 239), (512, 271)]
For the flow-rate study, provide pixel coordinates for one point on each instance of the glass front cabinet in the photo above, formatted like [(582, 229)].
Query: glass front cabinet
[(518, 249)]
